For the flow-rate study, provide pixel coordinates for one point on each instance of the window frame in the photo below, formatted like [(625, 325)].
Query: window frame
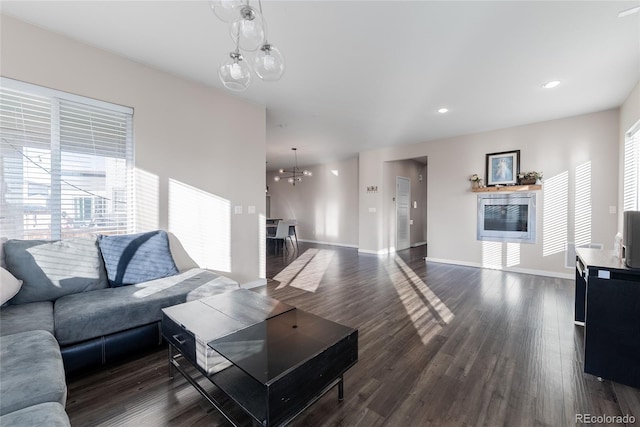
[(57, 98)]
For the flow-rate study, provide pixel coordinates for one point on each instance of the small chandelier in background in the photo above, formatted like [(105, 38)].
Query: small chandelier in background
[(248, 31), (293, 175)]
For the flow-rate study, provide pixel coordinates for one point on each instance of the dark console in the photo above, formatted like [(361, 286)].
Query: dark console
[(607, 303)]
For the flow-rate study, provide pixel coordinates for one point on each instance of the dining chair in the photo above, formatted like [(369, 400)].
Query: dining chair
[(292, 231), (282, 233)]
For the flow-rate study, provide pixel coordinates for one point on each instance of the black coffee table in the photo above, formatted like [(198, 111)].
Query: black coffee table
[(272, 359)]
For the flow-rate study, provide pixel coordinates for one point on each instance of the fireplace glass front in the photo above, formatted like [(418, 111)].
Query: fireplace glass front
[(507, 217)]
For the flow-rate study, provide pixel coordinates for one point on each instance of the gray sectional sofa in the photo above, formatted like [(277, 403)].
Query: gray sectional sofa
[(33, 391), (81, 305)]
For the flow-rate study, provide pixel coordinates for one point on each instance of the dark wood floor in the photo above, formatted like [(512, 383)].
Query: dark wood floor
[(438, 345)]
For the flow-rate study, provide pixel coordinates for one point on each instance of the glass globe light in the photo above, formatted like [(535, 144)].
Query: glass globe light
[(235, 73), (290, 181), (281, 170), (226, 10), (248, 29), (276, 178), (269, 63)]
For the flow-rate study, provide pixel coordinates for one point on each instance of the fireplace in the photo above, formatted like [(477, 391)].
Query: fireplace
[(507, 217)]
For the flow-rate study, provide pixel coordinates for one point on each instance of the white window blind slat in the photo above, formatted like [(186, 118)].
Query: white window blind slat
[(25, 119), (65, 164), (92, 130), (631, 179)]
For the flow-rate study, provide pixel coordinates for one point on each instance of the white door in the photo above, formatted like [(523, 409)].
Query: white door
[(403, 204)]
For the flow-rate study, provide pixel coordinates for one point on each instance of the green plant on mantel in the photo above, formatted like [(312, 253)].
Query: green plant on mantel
[(529, 177)]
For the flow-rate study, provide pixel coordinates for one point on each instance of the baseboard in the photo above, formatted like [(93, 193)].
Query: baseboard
[(387, 251), (318, 242), (254, 284), (370, 252), (544, 273)]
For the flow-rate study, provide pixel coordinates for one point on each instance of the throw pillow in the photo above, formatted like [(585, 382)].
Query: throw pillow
[(50, 270), (180, 256), (9, 286), (2, 242), (137, 258)]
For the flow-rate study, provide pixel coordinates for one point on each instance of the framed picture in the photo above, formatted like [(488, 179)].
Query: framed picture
[(503, 168)]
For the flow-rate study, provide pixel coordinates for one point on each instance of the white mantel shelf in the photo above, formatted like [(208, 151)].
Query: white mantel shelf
[(507, 189)]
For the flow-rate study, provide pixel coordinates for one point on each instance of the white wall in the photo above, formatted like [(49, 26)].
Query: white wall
[(559, 148), (190, 142), (325, 205)]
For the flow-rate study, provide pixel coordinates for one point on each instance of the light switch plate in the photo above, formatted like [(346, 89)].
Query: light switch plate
[(237, 210)]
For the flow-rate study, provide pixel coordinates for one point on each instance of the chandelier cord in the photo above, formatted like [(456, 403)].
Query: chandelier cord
[(264, 25), (238, 40)]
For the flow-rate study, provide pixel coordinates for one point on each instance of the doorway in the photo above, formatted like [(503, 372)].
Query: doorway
[(397, 225)]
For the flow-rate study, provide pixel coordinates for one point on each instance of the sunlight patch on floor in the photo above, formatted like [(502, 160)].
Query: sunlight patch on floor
[(307, 271), (427, 312)]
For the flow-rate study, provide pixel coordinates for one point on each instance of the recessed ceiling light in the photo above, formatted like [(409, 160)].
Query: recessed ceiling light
[(551, 84), (443, 110)]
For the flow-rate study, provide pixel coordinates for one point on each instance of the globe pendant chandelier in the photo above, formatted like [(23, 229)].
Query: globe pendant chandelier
[(292, 175), (248, 31)]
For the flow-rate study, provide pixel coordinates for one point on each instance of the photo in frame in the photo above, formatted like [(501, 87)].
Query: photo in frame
[(502, 168)]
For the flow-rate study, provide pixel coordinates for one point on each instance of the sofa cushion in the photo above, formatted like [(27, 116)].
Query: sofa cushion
[(88, 315), (50, 270), (26, 317), (9, 285), (50, 414), (137, 258), (31, 371)]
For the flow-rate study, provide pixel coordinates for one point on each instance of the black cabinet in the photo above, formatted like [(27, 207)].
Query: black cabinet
[(610, 307)]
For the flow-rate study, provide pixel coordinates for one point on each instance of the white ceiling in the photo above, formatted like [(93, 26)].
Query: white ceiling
[(366, 74)]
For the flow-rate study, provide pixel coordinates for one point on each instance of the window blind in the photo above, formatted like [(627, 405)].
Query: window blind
[(65, 164), (632, 169)]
